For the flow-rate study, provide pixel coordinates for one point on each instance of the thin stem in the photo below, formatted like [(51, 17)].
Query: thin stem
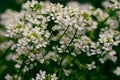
[(110, 15), (58, 39), (59, 72), (101, 25), (18, 73), (82, 74), (68, 46), (63, 33)]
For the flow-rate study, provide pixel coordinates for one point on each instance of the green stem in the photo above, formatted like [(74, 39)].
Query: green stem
[(82, 74), (21, 67), (58, 39), (101, 25), (59, 72), (63, 33)]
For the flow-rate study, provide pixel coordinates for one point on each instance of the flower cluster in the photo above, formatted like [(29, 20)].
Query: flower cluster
[(54, 39), (43, 76)]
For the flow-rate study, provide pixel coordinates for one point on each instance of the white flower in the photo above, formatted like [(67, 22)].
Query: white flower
[(53, 77), (42, 30), (67, 72), (42, 75), (117, 71), (91, 66), (8, 77), (100, 14)]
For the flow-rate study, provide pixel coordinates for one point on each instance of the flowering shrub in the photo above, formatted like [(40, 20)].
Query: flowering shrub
[(46, 41)]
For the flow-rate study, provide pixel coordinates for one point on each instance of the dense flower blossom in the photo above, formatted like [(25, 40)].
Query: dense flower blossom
[(43, 33)]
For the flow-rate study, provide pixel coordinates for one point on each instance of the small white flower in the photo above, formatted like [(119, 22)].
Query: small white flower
[(8, 77), (91, 66), (117, 71), (53, 77)]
